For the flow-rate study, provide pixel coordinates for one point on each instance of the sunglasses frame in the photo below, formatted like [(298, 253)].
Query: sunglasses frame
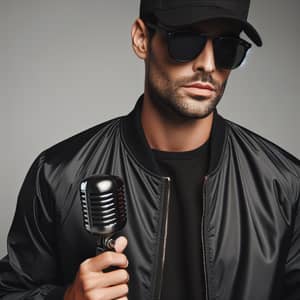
[(170, 33)]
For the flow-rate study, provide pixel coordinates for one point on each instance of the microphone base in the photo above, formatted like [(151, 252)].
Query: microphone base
[(105, 243)]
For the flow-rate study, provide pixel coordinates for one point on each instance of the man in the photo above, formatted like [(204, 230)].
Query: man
[(213, 209)]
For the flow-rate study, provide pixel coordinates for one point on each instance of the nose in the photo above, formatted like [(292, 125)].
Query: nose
[(205, 61)]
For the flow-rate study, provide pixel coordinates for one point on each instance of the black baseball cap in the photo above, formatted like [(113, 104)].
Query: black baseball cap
[(176, 13)]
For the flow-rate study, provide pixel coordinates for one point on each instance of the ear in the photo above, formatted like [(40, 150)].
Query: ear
[(140, 39)]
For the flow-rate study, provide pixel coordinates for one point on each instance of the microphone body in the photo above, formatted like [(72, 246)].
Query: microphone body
[(103, 208)]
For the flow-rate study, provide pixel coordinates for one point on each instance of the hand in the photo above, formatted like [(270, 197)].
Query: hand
[(91, 283)]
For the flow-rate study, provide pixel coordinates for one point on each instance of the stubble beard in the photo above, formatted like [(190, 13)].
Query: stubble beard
[(166, 97)]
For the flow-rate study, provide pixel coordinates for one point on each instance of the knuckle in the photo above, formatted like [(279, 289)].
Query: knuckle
[(108, 257), (84, 285), (82, 279), (95, 295), (124, 288), (91, 296), (84, 266), (124, 275), (123, 258)]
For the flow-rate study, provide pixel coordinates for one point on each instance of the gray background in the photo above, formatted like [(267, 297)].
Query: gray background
[(67, 65)]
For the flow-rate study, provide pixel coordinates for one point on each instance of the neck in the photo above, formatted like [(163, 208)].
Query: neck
[(168, 134)]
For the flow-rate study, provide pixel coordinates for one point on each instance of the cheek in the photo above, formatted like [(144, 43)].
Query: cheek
[(222, 75), (161, 63), (160, 71)]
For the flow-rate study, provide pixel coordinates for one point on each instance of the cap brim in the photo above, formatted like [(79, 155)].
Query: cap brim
[(189, 15)]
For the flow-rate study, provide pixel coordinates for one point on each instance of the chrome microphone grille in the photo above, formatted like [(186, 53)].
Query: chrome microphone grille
[(103, 204)]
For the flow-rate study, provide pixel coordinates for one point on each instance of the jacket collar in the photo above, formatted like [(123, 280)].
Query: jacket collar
[(134, 137)]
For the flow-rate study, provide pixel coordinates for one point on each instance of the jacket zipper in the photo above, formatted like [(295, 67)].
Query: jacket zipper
[(166, 226), (165, 214), (203, 239), (158, 283)]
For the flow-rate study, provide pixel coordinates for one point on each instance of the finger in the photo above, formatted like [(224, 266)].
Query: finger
[(97, 280), (113, 278), (115, 292), (103, 261), (120, 244)]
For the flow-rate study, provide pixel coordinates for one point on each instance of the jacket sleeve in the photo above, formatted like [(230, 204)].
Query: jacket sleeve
[(31, 269), (292, 270)]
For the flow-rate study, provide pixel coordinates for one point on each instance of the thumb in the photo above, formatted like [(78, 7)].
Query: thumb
[(120, 244)]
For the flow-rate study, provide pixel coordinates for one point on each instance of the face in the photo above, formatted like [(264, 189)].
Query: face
[(189, 90)]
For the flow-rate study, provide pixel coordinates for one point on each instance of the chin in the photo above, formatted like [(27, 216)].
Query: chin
[(197, 115), (186, 113), (199, 108)]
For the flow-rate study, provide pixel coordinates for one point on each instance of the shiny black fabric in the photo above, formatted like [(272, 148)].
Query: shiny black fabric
[(251, 225)]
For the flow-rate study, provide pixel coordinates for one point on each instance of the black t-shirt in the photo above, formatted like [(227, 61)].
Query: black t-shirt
[(183, 270)]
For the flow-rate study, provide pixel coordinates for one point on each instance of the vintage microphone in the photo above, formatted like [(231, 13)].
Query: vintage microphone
[(103, 207)]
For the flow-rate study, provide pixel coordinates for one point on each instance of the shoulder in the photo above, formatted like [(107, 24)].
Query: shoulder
[(262, 158), (250, 142), (261, 161), (61, 167), (85, 140)]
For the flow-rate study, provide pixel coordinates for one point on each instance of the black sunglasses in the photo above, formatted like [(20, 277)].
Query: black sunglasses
[(186, 45)]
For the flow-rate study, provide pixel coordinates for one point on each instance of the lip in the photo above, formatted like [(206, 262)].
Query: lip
[(201, 86)]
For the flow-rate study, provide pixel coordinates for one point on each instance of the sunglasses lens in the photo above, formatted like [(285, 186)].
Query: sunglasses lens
[(229, 52), (185, 46)]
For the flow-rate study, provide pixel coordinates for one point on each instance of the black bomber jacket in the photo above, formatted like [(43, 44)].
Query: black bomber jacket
[(250, 223)]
